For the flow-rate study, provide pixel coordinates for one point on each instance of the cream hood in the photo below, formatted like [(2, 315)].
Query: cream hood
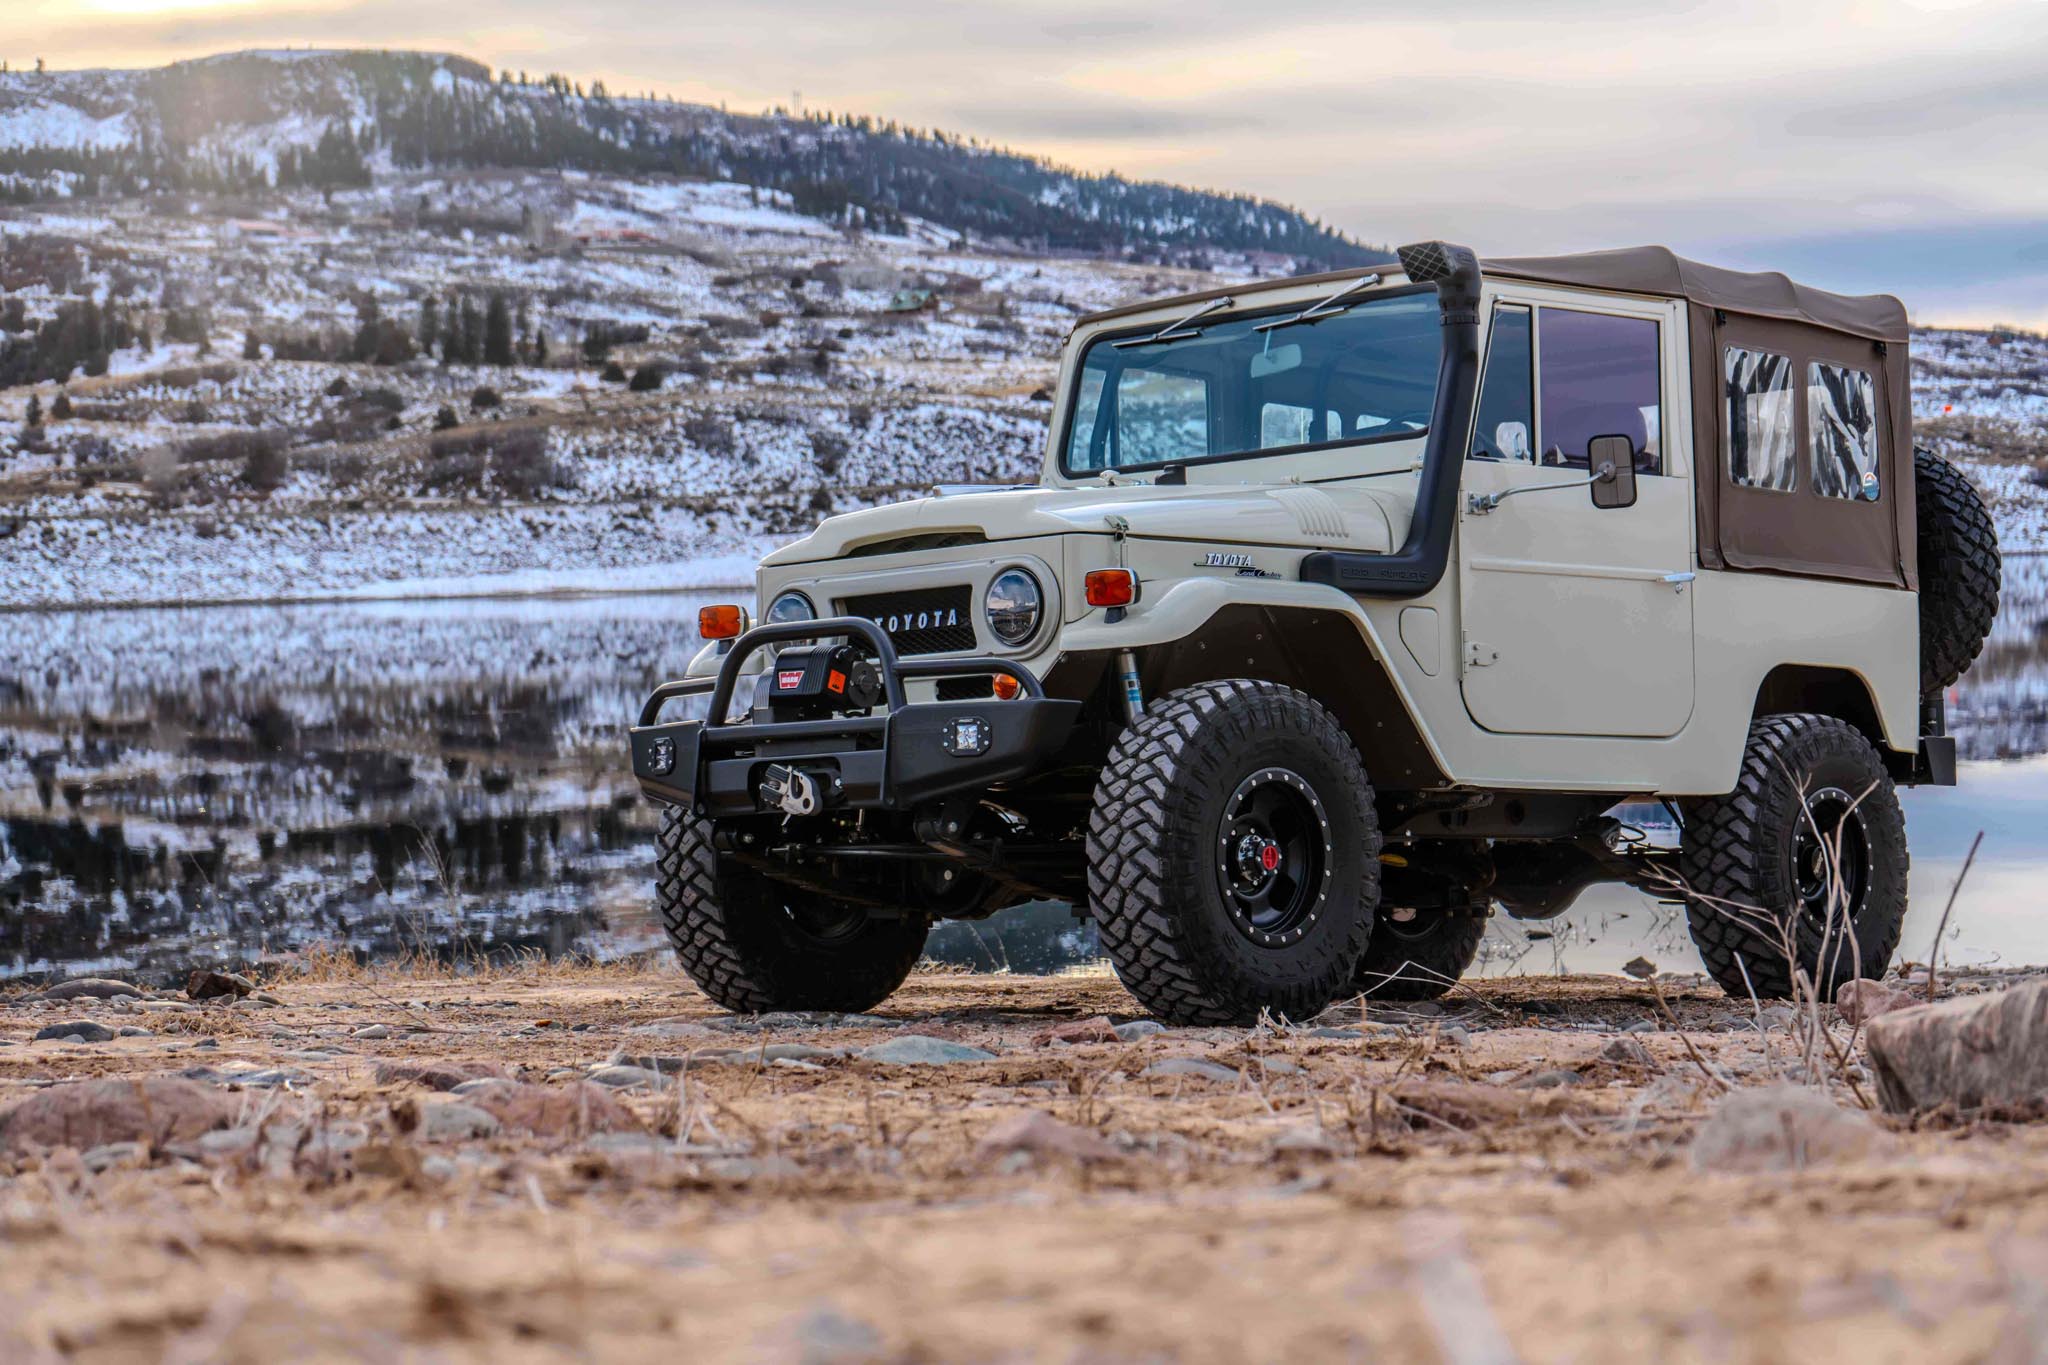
[(1350, 515)]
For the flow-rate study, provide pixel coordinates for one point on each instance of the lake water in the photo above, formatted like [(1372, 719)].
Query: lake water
[(222, 784)]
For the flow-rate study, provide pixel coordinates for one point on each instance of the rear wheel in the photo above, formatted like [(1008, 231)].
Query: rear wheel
[(752, 943), (1420, 958), (1233, 855), (1804, 863)]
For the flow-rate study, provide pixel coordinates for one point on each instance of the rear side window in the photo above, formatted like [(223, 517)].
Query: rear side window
[(1841, 431), (1597, 375), (1756, 427)]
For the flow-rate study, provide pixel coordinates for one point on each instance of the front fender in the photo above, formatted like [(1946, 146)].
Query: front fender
[(1181, 610)]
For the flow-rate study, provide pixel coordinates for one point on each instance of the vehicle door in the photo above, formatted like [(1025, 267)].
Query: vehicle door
[(1577, 617)]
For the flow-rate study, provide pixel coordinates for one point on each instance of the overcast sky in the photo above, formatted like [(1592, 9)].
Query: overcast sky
[(1897, 145)]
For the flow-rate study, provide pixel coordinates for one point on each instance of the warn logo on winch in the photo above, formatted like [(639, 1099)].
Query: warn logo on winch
[(788, 679)]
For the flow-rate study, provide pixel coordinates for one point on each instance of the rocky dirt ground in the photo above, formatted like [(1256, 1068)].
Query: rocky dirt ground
[(585, 1163)]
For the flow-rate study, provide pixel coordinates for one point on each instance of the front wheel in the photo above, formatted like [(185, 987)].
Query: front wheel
[(1233, 855), (1423, 957), (752, 943), (1802, 866)]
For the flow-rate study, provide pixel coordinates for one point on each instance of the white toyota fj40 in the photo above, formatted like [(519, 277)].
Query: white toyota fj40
[(1348, 608)]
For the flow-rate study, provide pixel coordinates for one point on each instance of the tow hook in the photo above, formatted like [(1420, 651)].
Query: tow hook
[(794, 790)]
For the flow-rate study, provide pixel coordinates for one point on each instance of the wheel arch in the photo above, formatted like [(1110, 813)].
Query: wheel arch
[(1323, 651), (1824, 690)]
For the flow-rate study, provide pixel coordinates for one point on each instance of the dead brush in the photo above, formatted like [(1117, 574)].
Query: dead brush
[(1823, 1056)]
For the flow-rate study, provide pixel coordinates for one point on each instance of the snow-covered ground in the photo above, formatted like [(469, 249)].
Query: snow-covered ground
[(792, 388)]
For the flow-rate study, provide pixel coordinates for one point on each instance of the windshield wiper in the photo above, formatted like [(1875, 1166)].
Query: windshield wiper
[(1328, 307), (1178, 329)]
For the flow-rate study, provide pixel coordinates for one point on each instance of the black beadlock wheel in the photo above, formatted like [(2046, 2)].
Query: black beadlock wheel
[(1810, 847), (753, 944), (1959, 570), (1421, 958), (1233, 855)]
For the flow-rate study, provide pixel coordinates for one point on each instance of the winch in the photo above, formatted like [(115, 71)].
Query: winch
[(809, 682)]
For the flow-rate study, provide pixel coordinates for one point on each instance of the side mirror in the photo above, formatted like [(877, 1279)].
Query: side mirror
[(1613, 459)]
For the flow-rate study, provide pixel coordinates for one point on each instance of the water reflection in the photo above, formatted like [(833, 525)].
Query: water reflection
[(221, 784)]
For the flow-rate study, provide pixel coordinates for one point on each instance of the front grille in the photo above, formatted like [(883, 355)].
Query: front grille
[(928, 621), (965, 689)]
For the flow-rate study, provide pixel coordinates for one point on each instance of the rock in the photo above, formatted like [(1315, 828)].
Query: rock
[(1984, 1052), (1279, 1066), (1416, 1009), (1192, 1066), (112, 1154), (1138, 1028), (862, 1021), (1862, 1001), (265, 998), (86, 1114), (674, 1028), (1457, 1036), (167, 1006), (91, 988), (205, 985), (1304, 1140), (1777, 1017), (1641, 968), (1781, 1128), (454, 1122), (1643, 1026), (436, 1075), (1627, 1051), (1549, 1080), (1096, 1030), (372, 1032), (573, 1110), (1041, 1134), (130, 1031), (81, 1031), (916, 1049), (626, 1077), (481, 1083), (261, 1078)]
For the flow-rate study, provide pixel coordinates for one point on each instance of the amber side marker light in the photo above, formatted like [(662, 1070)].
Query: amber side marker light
[(1005, 687), (1111, 587), (724, 622)]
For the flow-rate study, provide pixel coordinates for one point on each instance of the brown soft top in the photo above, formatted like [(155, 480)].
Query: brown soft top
[(1652, 270)]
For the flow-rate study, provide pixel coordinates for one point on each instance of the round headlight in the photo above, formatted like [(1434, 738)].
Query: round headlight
[(1013, 606), (790, 606)]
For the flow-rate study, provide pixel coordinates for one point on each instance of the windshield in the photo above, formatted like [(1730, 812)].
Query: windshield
[(1222, 389)]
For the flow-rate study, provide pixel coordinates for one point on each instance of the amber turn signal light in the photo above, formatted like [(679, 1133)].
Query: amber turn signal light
[(1111, 587), (724, 622), (1006, 687)]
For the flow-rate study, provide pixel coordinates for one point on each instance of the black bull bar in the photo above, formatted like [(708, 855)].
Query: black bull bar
[(892, 757)]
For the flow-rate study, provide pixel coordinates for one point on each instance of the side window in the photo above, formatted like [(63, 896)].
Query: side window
[(1506, 426), (1161, 416), (1081, 436), (1756, 421), (1599, 378), (1841, 431)]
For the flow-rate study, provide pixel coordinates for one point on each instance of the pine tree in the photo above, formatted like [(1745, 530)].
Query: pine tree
[(498, 332), (430, 323), (540, 347), (61, 407), (252, 348), (34, 418)]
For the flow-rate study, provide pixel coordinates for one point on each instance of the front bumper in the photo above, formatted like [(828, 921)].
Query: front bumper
[(894, 757)]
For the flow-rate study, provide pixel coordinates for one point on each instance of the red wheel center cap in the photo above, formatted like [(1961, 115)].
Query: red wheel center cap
[(1269, 857)]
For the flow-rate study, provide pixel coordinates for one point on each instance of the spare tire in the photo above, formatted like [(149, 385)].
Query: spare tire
[(1959, 570)]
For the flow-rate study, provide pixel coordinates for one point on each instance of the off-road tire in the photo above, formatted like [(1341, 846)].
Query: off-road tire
[(1153, 878), (1738, 850), (1959, 569), (734, 931), (1421, 959)]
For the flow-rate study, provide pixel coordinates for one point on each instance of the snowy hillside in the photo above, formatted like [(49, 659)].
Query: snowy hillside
[(256, 121)]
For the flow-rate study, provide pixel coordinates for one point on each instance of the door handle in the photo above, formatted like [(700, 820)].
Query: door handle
[(1679, 580)]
